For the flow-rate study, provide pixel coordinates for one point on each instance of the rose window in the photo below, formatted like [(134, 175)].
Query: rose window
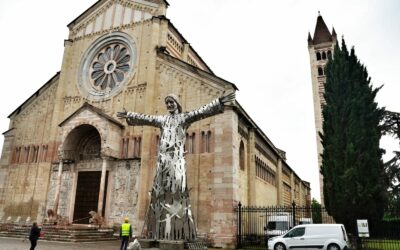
[(110, 67), (107, 66)]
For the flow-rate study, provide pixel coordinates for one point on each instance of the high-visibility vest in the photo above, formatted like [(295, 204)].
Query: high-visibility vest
[(125, 229)]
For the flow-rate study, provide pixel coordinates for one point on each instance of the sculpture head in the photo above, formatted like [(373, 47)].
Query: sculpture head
[(172, 103)]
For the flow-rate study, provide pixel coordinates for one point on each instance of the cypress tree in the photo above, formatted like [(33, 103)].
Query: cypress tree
[(352, 167)]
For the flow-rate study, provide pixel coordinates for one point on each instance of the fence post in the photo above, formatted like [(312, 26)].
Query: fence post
[(239, 246), (294, 213)]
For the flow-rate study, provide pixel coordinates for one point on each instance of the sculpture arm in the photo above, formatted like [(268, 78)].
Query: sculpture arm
[(137, 119), (213, 108)]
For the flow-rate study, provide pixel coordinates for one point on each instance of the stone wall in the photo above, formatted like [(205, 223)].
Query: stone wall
[(123, 198), (65, 191)]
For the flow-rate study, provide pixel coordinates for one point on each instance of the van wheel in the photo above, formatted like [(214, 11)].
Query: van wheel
[(279, 246), (333, 247)]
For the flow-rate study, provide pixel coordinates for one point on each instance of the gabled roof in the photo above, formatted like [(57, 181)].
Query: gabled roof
[(36, 94), (6, 132), (95, 110), (98, 3), (321, 33), (172, 26), (193, 69)]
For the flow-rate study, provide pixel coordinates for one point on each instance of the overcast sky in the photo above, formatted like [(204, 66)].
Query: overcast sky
[(259, 45)]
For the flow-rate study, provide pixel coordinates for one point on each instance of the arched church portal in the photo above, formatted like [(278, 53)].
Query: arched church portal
[(83, 147)]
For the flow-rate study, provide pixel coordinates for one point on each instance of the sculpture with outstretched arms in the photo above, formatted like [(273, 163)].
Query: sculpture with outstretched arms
[(170, 216)]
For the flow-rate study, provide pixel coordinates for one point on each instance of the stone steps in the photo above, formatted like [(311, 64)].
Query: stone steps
[(66, 234)]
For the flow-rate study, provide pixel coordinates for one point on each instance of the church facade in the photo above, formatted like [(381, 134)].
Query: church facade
[(66, 150)]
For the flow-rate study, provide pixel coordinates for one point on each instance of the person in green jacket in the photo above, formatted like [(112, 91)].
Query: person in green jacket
[(125, 233)]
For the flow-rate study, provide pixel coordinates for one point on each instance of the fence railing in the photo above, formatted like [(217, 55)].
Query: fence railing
[(257, 224)]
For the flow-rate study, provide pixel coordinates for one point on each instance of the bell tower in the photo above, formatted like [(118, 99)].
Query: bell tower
[(320, 47)]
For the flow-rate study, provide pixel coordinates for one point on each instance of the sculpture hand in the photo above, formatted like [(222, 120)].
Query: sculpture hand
[(227, 98), (122, 114)]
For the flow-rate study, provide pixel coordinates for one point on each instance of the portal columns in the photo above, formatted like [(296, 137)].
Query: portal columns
[(100, 203), (58, 185)]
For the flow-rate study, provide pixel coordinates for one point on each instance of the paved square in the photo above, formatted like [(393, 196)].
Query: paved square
[(19, 244)]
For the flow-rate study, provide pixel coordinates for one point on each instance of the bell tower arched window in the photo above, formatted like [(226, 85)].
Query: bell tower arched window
[(320, 71), (318, 56), (323, 55)]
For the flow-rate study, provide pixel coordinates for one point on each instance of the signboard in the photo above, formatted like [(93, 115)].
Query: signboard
[(362, 226)]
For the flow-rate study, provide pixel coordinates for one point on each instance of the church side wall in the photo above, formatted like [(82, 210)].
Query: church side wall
[(266, 194), (26, 164)]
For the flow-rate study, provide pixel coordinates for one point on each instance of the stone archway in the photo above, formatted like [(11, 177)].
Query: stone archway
[(82, 147), (83, 143), (89, 142)]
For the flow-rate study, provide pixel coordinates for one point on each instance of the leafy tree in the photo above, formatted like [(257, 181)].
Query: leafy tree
[(355, 183), (316, 211), (391, 126)]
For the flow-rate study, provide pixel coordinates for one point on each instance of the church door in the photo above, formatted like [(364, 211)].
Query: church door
[(87, 195)]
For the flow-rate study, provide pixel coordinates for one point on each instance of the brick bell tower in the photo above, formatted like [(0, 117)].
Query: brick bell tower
[(320, 47)]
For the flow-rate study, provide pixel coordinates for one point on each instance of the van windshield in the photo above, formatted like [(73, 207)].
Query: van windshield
[(277, 225)]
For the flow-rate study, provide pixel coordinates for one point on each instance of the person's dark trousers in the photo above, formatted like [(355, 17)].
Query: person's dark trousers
[(33, 244), (124, 243)]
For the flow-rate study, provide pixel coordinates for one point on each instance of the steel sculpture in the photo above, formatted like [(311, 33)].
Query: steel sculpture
[(170, 215)]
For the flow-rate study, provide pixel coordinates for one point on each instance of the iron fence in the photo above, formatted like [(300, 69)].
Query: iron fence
[(257, 224), (383, 235)]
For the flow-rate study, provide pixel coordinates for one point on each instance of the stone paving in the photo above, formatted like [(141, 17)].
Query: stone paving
[(19, 244)]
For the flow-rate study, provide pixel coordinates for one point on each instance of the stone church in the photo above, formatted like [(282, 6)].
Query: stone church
[(66, 150)]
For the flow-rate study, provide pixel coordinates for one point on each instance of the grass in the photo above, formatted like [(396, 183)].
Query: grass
[(376, 244)]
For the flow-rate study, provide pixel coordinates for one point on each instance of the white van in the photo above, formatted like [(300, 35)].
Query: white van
[(311, 236)]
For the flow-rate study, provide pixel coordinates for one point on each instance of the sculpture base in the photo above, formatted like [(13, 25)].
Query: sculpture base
[(162, 244)]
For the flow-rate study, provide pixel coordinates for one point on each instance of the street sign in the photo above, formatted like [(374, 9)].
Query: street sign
[(362, 226)]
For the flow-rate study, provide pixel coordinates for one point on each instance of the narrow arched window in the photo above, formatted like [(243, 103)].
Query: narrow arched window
[(35, 156), (186, 145), (157, 143), (318, 56), (242, 156), (323, 55), (190, 142), (329, 54), (138, 146), (320, 71), (209, 142), (126, 147), (193, 143), (26, 154), (46, 150), (203, 142)]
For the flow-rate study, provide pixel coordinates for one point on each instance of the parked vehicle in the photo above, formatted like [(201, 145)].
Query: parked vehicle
[(303, 221), (312, 236), (279, 224)]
